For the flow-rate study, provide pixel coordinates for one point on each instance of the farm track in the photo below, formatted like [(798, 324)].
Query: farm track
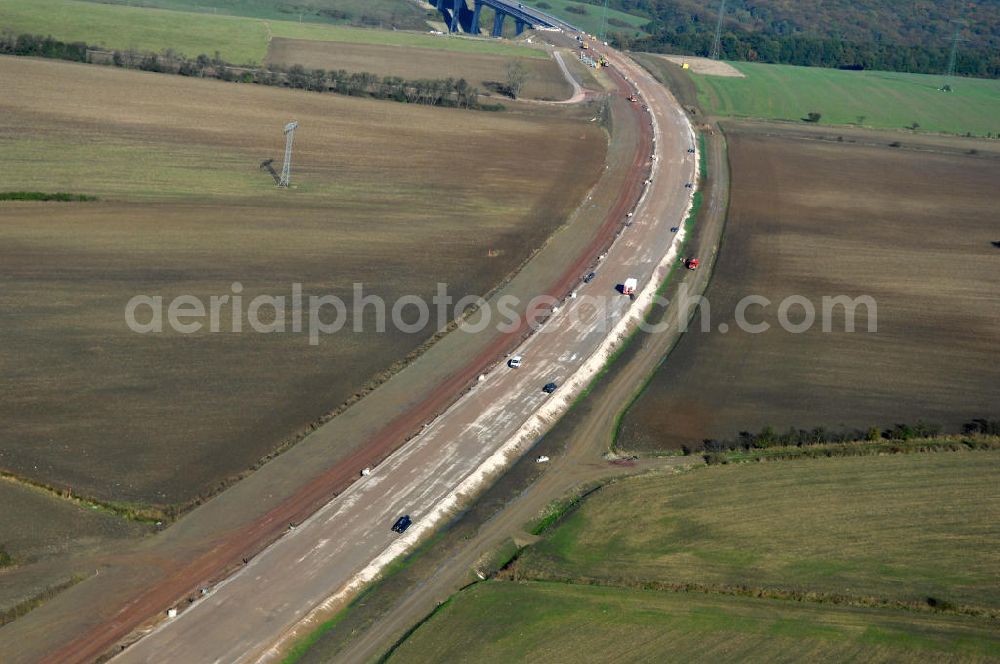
[(579, 94)]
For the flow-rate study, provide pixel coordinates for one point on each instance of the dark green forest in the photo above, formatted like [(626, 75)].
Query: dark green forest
[(897, 35)]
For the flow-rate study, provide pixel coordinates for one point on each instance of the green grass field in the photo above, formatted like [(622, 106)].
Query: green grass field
[(239, 39), (501, 621), (594, 18), (901, 528), (868, 98), (680, 568), (384, 37), (390, 13)]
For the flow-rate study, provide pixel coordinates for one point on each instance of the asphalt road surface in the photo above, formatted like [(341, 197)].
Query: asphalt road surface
[(242, 619), (581, 464)]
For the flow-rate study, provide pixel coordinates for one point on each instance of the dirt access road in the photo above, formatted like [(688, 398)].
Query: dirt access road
[(323, 560), (579, 94)]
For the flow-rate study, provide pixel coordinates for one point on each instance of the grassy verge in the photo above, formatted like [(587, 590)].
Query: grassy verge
[(703, 162), (41, 196), (558, 510), (393, 570), (299, 650), (27, 606), (124, 510), (857, 448), (406, 635)]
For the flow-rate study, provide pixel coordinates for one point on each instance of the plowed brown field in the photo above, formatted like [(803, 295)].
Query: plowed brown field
[(384, 194), (910, 228)]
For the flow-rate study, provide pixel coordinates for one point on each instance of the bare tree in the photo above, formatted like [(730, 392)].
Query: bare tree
[(517, 76)]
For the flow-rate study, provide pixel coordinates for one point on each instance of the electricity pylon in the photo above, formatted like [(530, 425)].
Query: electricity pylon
[(286, 169), (717, 42)]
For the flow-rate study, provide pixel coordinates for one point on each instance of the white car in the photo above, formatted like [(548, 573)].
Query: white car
[(514, 362)]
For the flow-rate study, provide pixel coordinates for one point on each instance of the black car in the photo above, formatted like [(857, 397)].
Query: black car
[(590, 277), (549, 388), (402, 523)]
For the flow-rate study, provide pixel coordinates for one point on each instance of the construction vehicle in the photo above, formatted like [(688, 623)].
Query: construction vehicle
[(628, 288), (585, 46), (691, 263)]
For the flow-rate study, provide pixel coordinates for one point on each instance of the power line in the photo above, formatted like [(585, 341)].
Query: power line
[(953, 56), (604, 23), (954, 49), (717, 43)]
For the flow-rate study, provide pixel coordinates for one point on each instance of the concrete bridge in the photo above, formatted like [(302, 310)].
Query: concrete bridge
[(458, 16)]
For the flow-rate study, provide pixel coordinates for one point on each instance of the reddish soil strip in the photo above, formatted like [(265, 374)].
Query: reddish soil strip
[(253, 538)]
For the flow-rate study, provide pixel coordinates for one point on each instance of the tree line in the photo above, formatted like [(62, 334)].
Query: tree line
[(881, 34), (767, 437), (42, 47), (433, 92), (449, 92), (818, 52)]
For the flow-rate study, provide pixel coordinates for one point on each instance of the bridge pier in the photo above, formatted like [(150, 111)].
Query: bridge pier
[(498, 24), (477, 5), (458, 16)]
